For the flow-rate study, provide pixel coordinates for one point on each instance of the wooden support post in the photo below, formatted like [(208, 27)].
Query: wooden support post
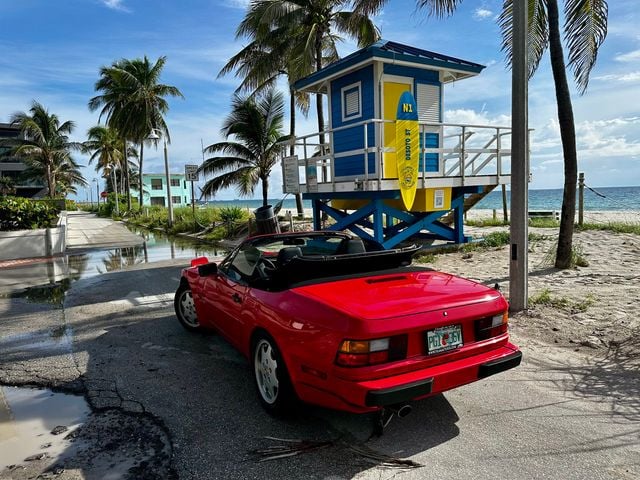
[(581, 198)]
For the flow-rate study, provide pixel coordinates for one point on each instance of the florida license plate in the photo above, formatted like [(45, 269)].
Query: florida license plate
[(444, 339)]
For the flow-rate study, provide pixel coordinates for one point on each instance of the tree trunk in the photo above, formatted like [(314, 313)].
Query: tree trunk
[(126, 172), (319, 104), (140, 173), (265, 190), (292, 151), (568, 137), (50, 182)]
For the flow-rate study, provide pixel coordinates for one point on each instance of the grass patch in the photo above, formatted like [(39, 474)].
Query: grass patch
[(487, 222), (562, 303), (616, 227), (425, 258), (578, 258), (544, 223)]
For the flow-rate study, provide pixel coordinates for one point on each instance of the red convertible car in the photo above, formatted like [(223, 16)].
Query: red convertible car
[(334, 321)]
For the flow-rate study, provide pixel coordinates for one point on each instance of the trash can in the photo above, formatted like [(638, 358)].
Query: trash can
[(266, 220)]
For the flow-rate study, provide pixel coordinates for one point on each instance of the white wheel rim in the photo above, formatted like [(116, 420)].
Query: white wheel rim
[(188, 309), (266, 367)]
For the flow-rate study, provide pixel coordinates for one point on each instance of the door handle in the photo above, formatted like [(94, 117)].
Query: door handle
[(236, 298)]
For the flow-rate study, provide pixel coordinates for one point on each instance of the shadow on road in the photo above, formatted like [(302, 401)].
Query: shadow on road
[(150, 379)]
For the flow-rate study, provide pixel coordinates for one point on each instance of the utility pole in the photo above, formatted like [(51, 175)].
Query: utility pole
[(518, 266)]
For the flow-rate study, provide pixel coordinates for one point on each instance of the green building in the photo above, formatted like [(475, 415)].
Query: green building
[(154, 187)]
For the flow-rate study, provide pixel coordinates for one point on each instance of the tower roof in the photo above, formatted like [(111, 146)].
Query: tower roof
[(390, 52)]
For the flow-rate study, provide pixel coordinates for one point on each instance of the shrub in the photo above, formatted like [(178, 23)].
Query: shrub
[(22, 213)]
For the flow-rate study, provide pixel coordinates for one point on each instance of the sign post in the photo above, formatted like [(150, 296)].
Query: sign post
[(191, 175)]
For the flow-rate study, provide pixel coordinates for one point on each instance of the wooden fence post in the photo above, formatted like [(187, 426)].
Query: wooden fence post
[(581, 199)]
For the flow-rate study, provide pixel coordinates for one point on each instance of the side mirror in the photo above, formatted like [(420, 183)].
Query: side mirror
[(207, 269)]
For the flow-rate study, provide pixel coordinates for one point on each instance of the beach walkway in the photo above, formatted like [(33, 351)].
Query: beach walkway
[(86, 230)]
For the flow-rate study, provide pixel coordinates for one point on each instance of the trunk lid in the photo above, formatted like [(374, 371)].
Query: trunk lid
[(398, 294)]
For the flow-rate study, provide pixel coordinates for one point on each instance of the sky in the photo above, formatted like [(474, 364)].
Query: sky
[(52, 52)]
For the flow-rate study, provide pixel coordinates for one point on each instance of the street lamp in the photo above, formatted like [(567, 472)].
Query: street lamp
[(95, 180), (115, 188), (156, 136)]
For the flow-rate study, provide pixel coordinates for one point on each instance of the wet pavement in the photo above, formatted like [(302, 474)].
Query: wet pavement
[(166, 403), (47, 274)]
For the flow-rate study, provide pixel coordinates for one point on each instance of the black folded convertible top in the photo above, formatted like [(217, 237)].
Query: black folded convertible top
[(305, 268)]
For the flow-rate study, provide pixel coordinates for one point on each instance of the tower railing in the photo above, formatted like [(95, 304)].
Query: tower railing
[(479, 154)]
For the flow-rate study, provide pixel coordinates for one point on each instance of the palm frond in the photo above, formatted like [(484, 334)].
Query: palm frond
[(585, 29)]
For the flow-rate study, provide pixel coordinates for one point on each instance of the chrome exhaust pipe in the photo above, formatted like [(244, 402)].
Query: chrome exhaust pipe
[(403, 410), (386, 414)]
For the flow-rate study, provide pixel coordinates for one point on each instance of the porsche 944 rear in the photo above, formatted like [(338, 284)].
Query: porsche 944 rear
[(341, 323)]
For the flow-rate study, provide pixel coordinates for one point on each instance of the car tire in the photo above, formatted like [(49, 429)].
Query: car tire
[(185, 308), (271, 377)]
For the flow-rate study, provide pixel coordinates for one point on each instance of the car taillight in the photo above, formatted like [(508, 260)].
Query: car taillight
[(360, 353), (491, 326)]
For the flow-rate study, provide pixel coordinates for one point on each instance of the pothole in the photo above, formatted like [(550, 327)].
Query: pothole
[(35, 423)]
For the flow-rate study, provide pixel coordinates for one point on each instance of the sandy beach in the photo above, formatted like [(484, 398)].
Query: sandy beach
[(589, 308)]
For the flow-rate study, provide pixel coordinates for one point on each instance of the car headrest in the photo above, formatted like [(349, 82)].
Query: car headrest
[(355, 245), (287, 253)]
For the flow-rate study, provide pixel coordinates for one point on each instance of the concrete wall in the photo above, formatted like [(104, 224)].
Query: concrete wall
[(43, 242)]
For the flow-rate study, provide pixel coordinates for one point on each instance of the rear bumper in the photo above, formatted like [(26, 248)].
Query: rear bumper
[(370, 395)]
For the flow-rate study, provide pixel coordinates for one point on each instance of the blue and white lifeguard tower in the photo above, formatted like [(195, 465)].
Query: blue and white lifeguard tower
[(350, 170)]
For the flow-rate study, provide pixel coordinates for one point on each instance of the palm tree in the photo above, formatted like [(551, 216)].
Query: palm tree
[(259, 64), (7, 186), (45, 147), (256, 125), (310, 30), (585, 28), (134, 102), (107, 147)]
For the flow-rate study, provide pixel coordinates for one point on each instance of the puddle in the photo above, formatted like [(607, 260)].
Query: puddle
[(27, 418), (47, 280)]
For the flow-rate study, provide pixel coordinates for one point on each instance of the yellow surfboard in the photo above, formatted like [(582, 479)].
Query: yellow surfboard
[(407, 148)]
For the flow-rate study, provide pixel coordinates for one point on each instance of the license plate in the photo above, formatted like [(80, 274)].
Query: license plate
[(444, 339)]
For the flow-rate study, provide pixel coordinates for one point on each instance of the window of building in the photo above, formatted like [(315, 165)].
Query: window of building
[(185, 185), (175, 199), (156, 184), (185, 200), (175, 182), (157, 201), (351, 102)]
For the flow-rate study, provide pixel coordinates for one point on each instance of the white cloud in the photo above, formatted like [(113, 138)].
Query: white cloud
[(116, 5), (482, 13), (628, 57), (620, 77)]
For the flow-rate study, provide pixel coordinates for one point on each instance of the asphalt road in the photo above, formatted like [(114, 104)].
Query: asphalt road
[(559, 415)]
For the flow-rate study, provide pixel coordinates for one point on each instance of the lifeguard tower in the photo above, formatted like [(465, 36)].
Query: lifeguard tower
[(350, 170)]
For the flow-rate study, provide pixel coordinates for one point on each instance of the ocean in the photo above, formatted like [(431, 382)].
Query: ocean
[(604, 198)]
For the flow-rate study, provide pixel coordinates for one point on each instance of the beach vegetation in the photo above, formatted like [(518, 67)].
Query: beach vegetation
[(616, 227), (7, 186), (584, 29), (425, 257), (547, 298), (45, 149), (486, 222), (578, 257), (134, 102), (17, 213), (254, 141)]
